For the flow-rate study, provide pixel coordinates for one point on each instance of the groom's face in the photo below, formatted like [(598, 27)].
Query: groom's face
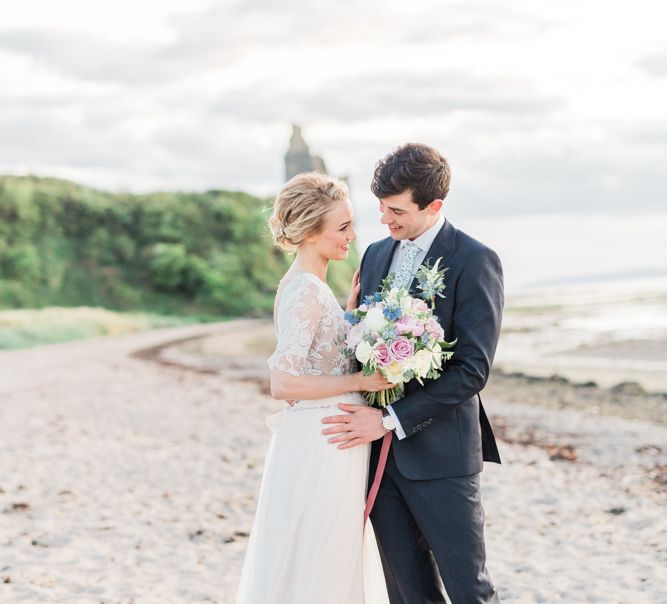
[(404, 218)]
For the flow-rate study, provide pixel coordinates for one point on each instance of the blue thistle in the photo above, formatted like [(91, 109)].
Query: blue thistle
[(391, 313), (351, 318)]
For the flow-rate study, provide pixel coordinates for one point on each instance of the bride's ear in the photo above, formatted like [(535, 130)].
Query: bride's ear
[(311, 238)]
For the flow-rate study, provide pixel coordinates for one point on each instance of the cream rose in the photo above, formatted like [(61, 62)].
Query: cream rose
[(422, 362), (363, 352), (394, 372)]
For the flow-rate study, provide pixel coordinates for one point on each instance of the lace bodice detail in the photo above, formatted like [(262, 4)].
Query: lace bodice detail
[(310, 327)]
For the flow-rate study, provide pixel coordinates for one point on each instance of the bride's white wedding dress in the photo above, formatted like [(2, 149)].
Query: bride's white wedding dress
[(308, 543)]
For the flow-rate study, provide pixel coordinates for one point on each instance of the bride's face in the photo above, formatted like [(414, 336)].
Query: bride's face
[(333, 241)]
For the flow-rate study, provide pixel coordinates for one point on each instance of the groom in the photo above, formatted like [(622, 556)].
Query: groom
[(428, 516)]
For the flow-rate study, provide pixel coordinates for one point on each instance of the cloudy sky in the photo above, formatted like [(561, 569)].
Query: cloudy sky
[(540, 106)]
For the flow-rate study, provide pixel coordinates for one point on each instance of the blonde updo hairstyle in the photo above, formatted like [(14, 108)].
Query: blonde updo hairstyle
[(300, 207)]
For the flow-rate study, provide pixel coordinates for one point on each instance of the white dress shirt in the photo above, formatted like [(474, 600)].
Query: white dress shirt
[(424, 242)]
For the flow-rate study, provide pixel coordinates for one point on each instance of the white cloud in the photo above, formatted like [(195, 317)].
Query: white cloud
[(538, 105), (655, 64)]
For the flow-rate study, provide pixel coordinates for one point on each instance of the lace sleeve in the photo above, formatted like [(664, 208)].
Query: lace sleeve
[(298, 318)]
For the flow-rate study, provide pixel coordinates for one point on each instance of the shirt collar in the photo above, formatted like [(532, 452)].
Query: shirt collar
[(425, 240)]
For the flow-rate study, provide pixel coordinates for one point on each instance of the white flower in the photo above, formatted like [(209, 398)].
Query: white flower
[(408, 364), (394, 373), (392, 296), (374, 319), (422, 362), (433, 346), (406, 305), (363, 352)]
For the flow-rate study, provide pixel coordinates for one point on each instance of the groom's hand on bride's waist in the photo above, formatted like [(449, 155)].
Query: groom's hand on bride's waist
[(360, 425)]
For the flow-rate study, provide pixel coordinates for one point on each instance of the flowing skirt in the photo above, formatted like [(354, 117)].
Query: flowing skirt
[(308, 542)]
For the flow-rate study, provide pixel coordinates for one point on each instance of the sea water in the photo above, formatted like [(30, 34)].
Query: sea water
[(586, 294)]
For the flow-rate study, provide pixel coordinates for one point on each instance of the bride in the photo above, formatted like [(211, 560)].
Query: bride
[(308, 542)]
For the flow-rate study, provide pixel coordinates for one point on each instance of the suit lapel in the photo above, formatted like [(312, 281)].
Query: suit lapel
[(443, 246), (384, 257)]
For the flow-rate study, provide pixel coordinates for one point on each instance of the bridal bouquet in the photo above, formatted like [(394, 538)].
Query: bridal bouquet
[(398, 334)]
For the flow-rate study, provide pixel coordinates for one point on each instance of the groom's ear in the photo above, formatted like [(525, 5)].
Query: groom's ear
[(435, 206)]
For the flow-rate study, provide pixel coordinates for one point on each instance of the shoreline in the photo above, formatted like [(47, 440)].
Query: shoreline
[(626, 400), (232, 353), (237, 353)]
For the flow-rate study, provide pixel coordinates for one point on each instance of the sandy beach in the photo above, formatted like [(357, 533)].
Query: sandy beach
[(130, 466)]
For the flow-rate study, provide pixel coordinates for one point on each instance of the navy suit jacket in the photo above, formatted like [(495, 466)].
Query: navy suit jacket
[(447, 431)]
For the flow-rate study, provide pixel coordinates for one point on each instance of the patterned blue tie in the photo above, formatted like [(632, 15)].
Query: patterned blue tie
[(405, 271)]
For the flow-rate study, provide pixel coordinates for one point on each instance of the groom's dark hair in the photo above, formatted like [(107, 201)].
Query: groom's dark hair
[(415, 167)]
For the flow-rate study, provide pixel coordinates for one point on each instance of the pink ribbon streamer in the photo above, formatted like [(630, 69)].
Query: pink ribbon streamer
[(379, 471)]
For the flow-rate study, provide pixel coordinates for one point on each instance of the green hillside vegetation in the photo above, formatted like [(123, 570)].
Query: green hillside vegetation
[(62, 244)]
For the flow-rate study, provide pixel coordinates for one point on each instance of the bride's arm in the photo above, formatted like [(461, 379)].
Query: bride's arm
[(300, 313), (285, 386)]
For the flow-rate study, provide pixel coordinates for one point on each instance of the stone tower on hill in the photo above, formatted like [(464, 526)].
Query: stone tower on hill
[(298, 158)]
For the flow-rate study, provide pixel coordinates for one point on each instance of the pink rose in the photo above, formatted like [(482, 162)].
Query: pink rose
[(402, 326), (409, 325), (419, 305), (354, 335), (417, 328), (381, 354), (401, 349), (435, 330)]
